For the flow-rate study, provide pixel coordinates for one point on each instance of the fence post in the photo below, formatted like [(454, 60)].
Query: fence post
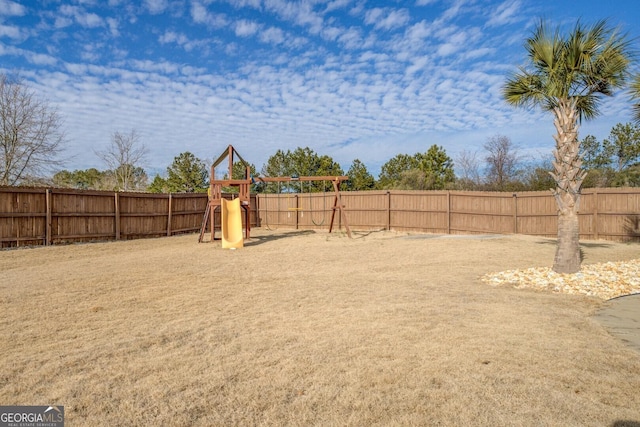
[(388, 210), (117, 214), (297, 211), (48, 224), (169, 216), (515, 213), (595, 215), (448, 211)]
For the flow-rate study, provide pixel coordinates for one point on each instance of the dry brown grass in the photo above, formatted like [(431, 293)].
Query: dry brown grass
[(308, 329)]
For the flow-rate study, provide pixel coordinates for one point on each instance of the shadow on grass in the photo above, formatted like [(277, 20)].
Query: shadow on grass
[(259, 240), (625, 423), (363, 234), (582, 244)]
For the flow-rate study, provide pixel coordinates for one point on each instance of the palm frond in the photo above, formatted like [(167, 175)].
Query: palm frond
[(635, 96), (587, 106), (588, 63), (523, 89)]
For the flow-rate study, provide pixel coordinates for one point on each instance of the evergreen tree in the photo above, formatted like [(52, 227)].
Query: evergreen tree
[(623, 146), (158, 185), (300, 162), (187, 174), (88, 179), (592, 153), (359, 177), (391, 171), (432, 170), (437, 167)]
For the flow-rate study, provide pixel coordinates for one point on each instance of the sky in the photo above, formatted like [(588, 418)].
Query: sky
[(351, 79)]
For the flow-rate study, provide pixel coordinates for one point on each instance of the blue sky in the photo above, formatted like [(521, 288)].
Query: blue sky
[(349, 78)]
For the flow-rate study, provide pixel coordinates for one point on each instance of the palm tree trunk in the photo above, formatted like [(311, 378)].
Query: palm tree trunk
[(568, 176), (567, 259)]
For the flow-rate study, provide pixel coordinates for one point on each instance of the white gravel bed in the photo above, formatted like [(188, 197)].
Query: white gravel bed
[(605, 280)]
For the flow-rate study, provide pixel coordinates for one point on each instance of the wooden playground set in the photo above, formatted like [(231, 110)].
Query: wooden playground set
[(231, 210)]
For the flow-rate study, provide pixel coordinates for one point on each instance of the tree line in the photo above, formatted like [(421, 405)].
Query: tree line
[(500, 166)]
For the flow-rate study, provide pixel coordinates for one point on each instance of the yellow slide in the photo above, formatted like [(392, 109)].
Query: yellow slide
[(231, 219)]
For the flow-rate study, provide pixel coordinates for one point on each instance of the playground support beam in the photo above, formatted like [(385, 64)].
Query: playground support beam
[(300, 178)]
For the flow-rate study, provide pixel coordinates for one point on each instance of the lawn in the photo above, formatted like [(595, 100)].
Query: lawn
[(309, 328)]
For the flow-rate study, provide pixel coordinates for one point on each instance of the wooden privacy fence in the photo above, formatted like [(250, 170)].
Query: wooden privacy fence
[(43, 216), (611, 214)]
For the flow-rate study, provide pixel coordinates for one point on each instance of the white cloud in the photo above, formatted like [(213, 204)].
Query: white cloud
[(31, 57), (337, 4), (91, 52), (201, 15), (85, 19), (395, 19), (89, 20), (173, 37), (478, 53), (183, 40), (246, 3), (418, 64), (10, 8), (351, 38), (156, 6), (418, 32), (453, 11), (272, 35), (373, 15), (113, 26), (62, 22), (300, 13), (457, 40), (162, 67), (40, 59), (10, 31), (506, 13), (386, 18), (447, 49), (244, 28)]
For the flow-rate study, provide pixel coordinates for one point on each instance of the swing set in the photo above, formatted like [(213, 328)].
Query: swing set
[(311, 210), (244, 188), (294, 207)]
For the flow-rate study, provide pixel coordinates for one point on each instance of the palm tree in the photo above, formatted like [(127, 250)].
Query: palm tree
[(568, 76), (635, 94)]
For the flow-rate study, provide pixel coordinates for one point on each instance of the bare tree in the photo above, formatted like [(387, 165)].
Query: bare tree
[(469, 165), (502, 161), (31, 134), (123, 157)]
